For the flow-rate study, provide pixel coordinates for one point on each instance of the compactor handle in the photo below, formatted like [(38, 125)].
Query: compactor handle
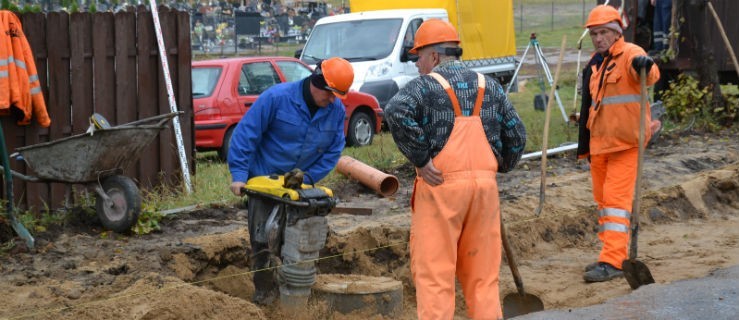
[(328, 202)]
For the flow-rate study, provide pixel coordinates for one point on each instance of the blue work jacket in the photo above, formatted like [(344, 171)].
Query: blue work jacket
[(278, 134)]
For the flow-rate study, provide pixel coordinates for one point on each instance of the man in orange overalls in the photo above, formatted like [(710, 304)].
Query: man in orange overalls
[(609, 133), (458, 129)]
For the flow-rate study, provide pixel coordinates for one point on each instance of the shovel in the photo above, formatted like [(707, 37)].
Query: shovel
[(542, 187), (635, 271), (520, 303)]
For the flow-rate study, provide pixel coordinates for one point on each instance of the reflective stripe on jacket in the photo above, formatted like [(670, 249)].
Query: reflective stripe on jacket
[(19, 81), (614, 114)]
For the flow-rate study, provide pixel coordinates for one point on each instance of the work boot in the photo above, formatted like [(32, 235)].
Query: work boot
[(602, 272), (591, 266)]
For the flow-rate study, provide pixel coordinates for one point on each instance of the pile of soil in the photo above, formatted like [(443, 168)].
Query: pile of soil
[(196, 267)]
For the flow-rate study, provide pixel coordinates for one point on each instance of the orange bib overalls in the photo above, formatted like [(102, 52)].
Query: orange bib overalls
[(455, 226)]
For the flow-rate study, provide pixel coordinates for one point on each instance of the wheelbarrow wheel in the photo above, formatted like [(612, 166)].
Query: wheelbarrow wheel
[(122, 211)]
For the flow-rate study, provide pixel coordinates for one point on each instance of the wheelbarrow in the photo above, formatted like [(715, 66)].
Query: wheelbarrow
[(96, 159)]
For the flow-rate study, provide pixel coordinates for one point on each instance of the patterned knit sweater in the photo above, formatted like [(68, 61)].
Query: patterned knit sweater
[(421, 116)]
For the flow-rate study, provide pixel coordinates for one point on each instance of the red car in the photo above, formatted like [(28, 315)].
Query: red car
[(224, 89)]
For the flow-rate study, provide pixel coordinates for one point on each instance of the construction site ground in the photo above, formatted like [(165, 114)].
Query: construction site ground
[(196, 267)]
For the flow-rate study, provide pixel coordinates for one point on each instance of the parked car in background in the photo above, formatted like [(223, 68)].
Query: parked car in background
[(224, 89)]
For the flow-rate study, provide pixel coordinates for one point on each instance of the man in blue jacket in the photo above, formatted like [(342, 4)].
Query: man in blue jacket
[(291, 125)]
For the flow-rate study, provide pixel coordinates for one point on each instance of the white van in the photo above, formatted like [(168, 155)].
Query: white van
[(377, 43)]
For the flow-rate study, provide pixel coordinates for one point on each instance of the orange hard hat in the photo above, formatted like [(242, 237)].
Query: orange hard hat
[(603, 14), (338, 74), (434, 31)]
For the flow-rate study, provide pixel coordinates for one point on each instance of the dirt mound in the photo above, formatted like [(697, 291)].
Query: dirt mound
[(197, 266)]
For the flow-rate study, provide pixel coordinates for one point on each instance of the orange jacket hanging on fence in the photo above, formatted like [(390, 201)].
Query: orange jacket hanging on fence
[(19, 83)]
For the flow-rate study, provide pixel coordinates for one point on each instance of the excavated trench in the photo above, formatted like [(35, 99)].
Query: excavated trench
[(197, 266), (382, 250)]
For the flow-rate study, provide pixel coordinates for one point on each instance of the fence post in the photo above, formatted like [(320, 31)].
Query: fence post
[(583, 12), (552, 28), (520, 18)]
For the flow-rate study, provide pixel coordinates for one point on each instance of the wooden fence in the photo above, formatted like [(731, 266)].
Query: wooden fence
[(106, 63)]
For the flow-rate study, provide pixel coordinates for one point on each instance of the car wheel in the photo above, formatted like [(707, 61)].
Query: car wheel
[(360, 131), (223, 151)]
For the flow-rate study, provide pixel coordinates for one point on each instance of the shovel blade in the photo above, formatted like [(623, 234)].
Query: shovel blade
[(515, 304), (636, 273)]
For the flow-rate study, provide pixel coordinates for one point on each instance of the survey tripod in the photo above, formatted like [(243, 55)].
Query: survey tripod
[(542, 61)]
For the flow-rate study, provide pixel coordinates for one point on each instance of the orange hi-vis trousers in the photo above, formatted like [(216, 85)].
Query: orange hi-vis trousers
[(614, 179), (455, 228)]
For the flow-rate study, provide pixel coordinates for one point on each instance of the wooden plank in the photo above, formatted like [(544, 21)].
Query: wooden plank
[(125, 74), (148, 97), (103, 59), (34, 27), (98, 64), (59, 102), (731, 27), (80, 32), (361, 211), (168, 158), (80, 28), (184, 86)]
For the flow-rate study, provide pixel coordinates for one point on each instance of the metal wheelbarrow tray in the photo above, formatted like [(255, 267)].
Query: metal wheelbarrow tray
[(97, 159)]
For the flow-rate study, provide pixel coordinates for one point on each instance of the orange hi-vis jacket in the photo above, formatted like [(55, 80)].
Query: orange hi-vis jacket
[(615, 88), (19, 83)]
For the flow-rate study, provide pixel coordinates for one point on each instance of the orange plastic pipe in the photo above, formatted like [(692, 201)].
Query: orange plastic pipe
[(380, 182)]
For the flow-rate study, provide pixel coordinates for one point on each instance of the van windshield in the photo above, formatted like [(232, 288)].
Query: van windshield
[(361, 40)]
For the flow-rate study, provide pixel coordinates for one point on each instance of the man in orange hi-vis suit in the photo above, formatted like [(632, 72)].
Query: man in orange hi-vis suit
[(609, 133), (458, 129)]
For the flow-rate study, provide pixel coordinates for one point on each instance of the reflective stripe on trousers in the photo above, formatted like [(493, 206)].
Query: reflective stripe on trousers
[(455, 228), (614, 177)]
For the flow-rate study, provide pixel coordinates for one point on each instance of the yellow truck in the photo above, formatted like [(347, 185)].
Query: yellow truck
[(376, 36)]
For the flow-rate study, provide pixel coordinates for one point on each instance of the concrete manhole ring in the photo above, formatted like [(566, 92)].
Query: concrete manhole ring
[(352, 293)]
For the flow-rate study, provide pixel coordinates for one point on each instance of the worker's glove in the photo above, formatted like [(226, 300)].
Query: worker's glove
[(642, 62), (294, 179)]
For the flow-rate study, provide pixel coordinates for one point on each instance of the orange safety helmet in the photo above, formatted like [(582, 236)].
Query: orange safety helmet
[(434, 31), (338, 74), (603, 14)]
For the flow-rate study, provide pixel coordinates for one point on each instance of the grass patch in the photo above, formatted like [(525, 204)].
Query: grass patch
[(559, 131), (550, 21), (382, 154), (211, 183), (212, 179), (553, 39)]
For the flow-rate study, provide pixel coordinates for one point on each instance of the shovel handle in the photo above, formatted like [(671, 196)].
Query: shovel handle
[(639, 165), (545, 139), (511, 260), (727, 43)]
